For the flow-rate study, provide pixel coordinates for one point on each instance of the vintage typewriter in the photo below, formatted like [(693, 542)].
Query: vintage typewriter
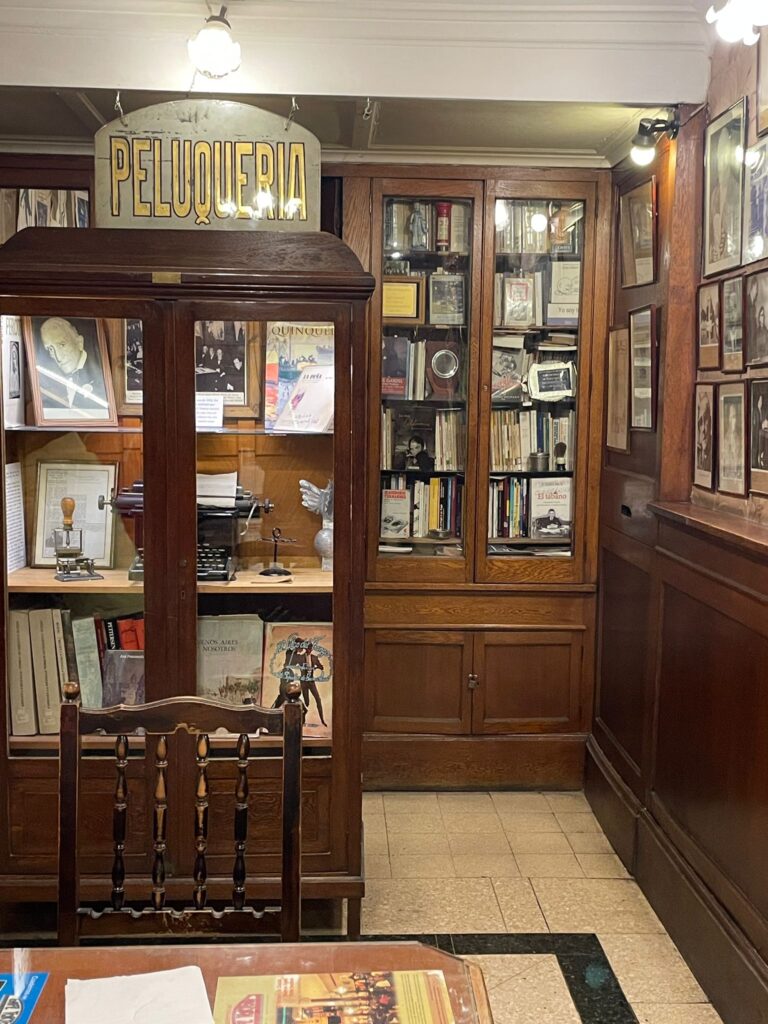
[(218, 529)]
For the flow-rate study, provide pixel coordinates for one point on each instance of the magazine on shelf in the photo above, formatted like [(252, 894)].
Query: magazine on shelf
[(508, 367), (291, 348), (229, 657), (301, 652), (123, 678)]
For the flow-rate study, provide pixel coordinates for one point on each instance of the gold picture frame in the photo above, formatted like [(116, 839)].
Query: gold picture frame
[(402, 300)]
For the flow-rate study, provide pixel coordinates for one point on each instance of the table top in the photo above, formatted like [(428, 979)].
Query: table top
[(465, 981)]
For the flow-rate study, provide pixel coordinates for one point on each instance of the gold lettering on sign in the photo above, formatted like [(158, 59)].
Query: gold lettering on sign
[(141, 208), (203, 159), (265, 175), (242, 150), (120, 163), (161, 207), (297, 182), (222, 179), (181, 176)]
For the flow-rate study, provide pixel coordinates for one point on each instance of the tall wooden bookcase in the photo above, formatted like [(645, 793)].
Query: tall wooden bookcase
[(479, 648), (174, 281)]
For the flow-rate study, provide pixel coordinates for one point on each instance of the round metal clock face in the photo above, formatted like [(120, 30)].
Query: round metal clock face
[(445, 364)]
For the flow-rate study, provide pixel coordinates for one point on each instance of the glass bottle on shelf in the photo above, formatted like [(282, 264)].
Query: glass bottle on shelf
[(534, 372), (426, 310)]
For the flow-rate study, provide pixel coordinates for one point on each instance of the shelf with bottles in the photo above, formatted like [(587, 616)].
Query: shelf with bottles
[(425, 226)]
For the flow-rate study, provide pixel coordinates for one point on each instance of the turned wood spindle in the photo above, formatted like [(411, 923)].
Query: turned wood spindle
[(241, 821), (200, 894), (160, 823), (119, 822)]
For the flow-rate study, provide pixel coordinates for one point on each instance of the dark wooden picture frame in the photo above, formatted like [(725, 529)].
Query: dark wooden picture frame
[(724, 189), (419, 305), (732, 325), (756, 318), (704, 437), (89, 383), (638, 237), (714, 323), (758, 436), (252, 367), (727, 428), (761, 114), (642, 376), (617, 433), (754, 234)]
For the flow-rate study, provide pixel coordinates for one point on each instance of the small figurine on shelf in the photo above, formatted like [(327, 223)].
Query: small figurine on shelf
[(419, 227), (321, 502), (71, 563), (275, 569)]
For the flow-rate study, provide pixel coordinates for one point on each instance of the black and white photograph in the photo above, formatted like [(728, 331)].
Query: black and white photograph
[(756, 314), (220, 367), (758, 437), (755, 229), (134, 362), (704, 468), (708, 341), (637, 231), (642, 354), (446, 299), (69, 372), (731, 439), (723, 178), (733, 327), (14, 369)]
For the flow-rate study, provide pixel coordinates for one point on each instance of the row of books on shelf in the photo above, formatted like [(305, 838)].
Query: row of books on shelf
[(419, 368), (419, 508), (239, 657), (539, 508), (423, 440), (518, 435), (541, 297)]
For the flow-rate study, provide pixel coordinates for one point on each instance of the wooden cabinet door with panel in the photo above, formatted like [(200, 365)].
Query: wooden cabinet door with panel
[(421, 681), (527, 681)]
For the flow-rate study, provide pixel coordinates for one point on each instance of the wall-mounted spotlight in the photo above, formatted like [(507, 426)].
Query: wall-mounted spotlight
[(737, 19), (649, 131), (213, 51)]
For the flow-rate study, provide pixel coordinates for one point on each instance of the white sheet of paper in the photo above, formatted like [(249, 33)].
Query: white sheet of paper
[(217, 489), (173, 997), (16, 552), (209, 412)]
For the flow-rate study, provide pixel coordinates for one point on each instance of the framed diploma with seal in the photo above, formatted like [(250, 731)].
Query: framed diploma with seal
[(402, 300), (552, 382)]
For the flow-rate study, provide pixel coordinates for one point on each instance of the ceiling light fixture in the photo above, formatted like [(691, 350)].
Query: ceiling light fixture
[(643, 150), (213, 51), (738, 19)]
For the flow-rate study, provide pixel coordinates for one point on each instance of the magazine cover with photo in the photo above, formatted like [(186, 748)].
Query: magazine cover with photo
[(229, 657), (709, 326), (394, 365), (301, 652), (220, 363), (292, 348), (413, 447), (123, 678), (551, 507), (507, 368)]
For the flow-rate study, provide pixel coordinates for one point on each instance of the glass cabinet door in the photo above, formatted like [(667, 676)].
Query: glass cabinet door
[(74, 516), (531, 384), (426, 334)]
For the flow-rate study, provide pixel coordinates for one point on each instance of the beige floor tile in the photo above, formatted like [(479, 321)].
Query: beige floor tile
[(415, 823), (373, 803), (374, 823), (589, 842), (508, 803), (377, 867), (519, 905), (610, 905), (527, 989), (489, 843), (435, 865), (689, 1013), (529, 821), (567, 802), (539, 842), (474, 824), (601, 865), (376, 844), (650, 969), (410, 803), (571, 823), (421, 844), (548, 865), (474, 803), (407, 906), (485, 865)]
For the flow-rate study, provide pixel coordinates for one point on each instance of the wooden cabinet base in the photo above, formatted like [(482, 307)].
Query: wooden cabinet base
[(473, 762)]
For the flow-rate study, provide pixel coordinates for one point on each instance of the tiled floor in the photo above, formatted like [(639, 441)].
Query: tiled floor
[(533, 865)]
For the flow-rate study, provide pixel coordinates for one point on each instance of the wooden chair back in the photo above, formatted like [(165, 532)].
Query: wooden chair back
[(159, 721)]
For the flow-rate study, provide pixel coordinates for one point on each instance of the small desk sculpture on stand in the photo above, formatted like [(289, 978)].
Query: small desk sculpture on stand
[(321, 502), (275, 569), (71, 563)]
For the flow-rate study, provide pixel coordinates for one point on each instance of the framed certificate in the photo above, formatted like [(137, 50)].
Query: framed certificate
[(402, 300), (86, 482), (552, 382)]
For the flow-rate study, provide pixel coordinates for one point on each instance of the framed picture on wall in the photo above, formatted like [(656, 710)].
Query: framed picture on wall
[(617, 424), (704, 437), (754, 240), (637, 231), (756, 318), (732, 439), (708, 327), (723, 180), (126, 349), (642, 351), (733, 325), (762, 84), (758, 436), (227, 355)]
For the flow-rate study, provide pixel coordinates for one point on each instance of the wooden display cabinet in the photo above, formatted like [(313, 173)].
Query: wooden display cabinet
[(182, 285)]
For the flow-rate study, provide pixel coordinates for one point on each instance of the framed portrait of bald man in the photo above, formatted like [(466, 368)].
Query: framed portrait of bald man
[(68, 369)]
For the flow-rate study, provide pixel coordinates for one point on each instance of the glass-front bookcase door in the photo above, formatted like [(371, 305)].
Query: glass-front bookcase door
[(534, 370), (75, 513), (425, 327)]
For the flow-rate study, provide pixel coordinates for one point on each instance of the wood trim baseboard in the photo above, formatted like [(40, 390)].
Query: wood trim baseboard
[(614, 804)]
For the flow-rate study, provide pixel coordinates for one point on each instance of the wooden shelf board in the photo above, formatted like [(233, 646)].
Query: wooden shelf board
[(408, 541), (41, 581), (563, 542), (723, 526)]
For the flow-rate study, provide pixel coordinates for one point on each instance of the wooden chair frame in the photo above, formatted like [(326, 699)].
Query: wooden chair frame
[(162, 719)]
